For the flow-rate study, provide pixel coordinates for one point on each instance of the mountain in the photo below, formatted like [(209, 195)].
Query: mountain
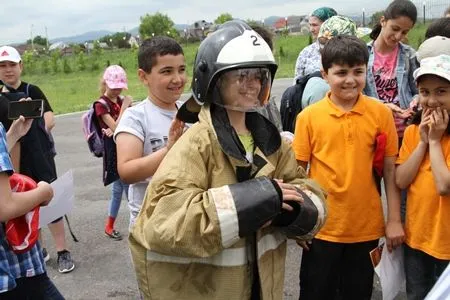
[(134, 31), (88, 36)]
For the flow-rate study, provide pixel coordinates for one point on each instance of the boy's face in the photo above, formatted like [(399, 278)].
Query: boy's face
[(346, 83), (434, 92), (166, 79), (10, 72), (240, 89)]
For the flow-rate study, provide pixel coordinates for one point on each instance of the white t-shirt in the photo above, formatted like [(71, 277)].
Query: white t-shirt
[(151, 125)]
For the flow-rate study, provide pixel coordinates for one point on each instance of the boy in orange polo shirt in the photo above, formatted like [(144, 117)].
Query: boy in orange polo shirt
[(336, 136), (423, 169)]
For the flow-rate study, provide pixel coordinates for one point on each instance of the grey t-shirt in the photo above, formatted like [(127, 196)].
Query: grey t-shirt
[(151, 125)]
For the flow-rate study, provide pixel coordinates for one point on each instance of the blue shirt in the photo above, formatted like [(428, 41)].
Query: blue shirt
[(14, 265)]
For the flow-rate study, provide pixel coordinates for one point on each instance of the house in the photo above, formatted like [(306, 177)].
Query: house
[(293, 24), (57, 46), (134, 41), (198, 29)]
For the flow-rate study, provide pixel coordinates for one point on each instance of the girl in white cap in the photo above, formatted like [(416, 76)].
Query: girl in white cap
[(423, 169)]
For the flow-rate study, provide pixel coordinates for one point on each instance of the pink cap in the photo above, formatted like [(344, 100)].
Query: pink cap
[(115, 77)]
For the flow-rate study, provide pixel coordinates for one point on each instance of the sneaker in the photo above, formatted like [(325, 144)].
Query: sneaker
[(115, 235), (45, 254), (65, 262)]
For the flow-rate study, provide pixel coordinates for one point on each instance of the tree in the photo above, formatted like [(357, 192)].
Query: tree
[(375, 18), (157, 24), (118, 39), (252, 23), (223, 18), (39, 40)]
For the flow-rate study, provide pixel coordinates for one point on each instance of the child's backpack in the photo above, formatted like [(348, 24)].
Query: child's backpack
[(291, 102), (92, 130), (22, 232)]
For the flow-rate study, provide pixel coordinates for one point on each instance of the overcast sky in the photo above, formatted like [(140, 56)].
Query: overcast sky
[(67, 18)]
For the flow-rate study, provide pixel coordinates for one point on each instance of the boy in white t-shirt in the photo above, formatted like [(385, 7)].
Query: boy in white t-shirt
[(148, 130)]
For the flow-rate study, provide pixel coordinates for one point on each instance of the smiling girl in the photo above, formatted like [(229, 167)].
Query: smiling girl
[(392, 63), (423, 169)]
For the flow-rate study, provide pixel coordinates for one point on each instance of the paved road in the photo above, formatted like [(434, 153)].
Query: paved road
[(103, 266)]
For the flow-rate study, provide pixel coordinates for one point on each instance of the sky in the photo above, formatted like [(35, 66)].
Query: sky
[(23, 18)]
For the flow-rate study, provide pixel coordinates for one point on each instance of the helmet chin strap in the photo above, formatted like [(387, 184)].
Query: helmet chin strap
[(238, 108)]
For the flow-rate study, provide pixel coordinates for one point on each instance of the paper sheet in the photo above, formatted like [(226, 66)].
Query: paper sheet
[(391, 272), (62, 202)]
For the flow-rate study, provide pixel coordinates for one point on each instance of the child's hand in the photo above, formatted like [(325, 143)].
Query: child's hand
[(395, 235), (290, 193), (47, 192), (404, 114), (394, 108), (438, 125), (176, 130), (20, 126), (127, 100), (304, 244), (108, 132), (424, 125)]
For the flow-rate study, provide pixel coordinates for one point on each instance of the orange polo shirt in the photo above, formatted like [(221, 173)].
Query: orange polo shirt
[(427, 224), (340, 147)]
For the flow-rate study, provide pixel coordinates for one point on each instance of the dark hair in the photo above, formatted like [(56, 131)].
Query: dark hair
[(156, 46), (397, 8), (447, 12), (438, 27), (264, 33), (344, 50), (417, 117)]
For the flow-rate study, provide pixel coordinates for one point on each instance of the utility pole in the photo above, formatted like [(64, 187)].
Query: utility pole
[(424, 3), (46, 37), (364, 17), (31, 36)]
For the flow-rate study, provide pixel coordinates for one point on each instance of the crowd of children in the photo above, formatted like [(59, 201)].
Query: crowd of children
[(213, 203)]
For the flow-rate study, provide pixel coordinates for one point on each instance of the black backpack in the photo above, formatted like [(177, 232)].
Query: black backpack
[(291, 101)]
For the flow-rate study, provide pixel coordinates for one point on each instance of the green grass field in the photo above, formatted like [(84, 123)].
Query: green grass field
[(76, 90)]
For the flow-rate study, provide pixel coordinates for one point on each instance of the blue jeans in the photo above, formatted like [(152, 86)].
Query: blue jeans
[(422, 271), (38, 287), (117, 189)]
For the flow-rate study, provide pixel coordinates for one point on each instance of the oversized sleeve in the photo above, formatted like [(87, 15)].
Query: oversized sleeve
[(183, 216)]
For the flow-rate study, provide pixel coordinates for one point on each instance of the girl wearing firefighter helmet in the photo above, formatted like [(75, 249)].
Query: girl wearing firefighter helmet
[(218, 211)]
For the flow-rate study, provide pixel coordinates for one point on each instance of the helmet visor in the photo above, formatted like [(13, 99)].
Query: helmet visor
[(244, 89)]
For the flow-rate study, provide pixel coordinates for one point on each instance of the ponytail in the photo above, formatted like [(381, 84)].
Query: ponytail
[(375, 31)]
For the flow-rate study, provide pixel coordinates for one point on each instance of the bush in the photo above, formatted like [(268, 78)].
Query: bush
[(29, 62), (95, 65), (281, 53), (45, 66), (54, 61), (81, 61), (66, 67)]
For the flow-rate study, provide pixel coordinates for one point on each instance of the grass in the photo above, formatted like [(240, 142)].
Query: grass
[(76, 90)]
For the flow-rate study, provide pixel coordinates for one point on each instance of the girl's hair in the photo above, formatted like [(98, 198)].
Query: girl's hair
[(397, 8), (102, 86), (417, 117)]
